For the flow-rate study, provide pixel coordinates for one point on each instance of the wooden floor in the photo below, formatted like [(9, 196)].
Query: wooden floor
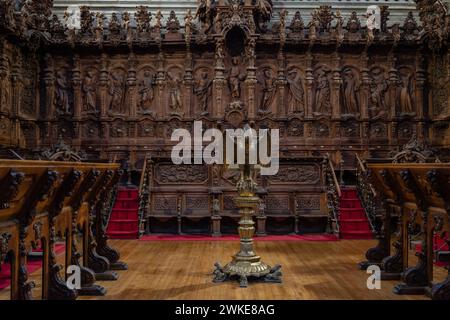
[(182, 270)]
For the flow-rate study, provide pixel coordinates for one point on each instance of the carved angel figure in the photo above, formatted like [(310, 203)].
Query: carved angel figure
[(296, 102)]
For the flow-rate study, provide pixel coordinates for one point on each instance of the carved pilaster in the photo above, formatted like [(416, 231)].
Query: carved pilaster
[(49, 85), (420, 84), (5, 94), (16, 85), (309, 83), (161, 82), (131, 85), (219, 80), (188, 84), (365, 87), (336, 84), (103, 86), (76, 83), (392, 85), (281, 84)]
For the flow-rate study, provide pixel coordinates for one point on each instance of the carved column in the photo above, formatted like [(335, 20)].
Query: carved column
[(250, 83), (160, 82), (309, 83), (103, 86), (16, 96), (392, 88), (188, 83), (5, 98), (281, 85), (131, 85), (336, 84), (219, 80), (261, 217), (49, 86), (419, 93), (365, 87), (76, 83), (16, 84)]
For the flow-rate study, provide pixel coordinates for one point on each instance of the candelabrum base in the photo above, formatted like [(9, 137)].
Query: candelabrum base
[(243, 271)]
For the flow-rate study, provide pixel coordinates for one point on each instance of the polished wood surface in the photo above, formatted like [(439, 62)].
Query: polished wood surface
[(42, 199), (182, 270)]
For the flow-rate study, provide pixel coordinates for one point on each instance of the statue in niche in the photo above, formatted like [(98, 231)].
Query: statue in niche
[(234, 79), (173, 25), (297, 23), (410, 26), (296, 102), (117, 93), (378, 89), (339, 27), (146, 93), (202, 91), (89, 90), (159, 17), (175, 98), (404, 94), (322, 96), (350, 89), (269, 91), (62, 100), (114, 24), (353, 24)]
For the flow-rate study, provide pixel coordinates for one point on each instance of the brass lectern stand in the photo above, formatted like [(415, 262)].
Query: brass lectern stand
[(246, 264)]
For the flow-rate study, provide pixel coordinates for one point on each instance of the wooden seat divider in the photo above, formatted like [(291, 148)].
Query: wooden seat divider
[(40, 200), (422, 192)]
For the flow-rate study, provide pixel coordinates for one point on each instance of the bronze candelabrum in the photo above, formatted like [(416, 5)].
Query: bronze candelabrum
[(246, 264)]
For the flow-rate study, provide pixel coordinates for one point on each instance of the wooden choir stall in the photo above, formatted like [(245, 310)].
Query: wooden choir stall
[(42, 201), (419, 193)]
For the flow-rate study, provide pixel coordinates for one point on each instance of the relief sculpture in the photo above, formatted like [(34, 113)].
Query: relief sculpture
[(350, 92), (146, 92), (203, 91), (90, 92), (62, 98), (296, 93)]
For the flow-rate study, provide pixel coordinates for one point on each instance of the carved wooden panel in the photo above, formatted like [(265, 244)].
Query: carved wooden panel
[(174, 174)]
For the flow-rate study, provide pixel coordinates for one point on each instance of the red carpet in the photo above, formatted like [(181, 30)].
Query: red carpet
[(124, 222), (439, 244), (313, 237), (33, 264), (353, 221)]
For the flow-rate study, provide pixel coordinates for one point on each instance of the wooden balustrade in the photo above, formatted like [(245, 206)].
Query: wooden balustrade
[(421, 193), (41, 200)]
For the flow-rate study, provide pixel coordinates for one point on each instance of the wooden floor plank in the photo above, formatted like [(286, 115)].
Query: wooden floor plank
[(183, 270)]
